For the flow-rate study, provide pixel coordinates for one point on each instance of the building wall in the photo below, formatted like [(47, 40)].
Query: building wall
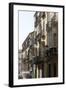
[(52, 33), (50, 40), (40, 47), (52, 29), (28, 52)]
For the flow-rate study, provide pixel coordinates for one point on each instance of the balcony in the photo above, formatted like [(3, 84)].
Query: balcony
[(37, 60), (51, 52)]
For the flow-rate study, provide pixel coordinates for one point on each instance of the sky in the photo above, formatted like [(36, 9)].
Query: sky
[(26, 25)]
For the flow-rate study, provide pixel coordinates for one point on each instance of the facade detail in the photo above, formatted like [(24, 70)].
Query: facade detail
[(40, 48)]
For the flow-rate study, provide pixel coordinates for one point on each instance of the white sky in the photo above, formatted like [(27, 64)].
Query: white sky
[(26, 25)]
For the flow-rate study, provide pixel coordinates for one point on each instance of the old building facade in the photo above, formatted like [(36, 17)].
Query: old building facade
[(40, 41), (28, 52), (52, 50), (46, 27), (40, 48)]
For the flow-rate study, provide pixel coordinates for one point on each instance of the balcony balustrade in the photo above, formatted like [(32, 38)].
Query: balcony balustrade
[(51, 52), (37, 60)]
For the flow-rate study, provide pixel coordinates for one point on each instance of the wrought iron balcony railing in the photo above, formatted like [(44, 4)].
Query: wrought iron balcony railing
[(51, 52), (37, 60)]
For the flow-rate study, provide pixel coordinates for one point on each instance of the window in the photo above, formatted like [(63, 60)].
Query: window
[(42, 70), (36, 72), (49, 70), (54, 67), (39, 71)]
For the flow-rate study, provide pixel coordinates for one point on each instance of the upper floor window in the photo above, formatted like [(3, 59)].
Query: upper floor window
[(54, 39)]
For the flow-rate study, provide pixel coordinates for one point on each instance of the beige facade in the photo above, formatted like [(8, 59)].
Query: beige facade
[(40, 48), (28, 52), (47, 43)]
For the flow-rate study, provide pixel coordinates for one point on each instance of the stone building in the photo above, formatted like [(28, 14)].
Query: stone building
[(41, 42), (46, 59), (40, 48), (52, 50), (25, 48), (28, 52)]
